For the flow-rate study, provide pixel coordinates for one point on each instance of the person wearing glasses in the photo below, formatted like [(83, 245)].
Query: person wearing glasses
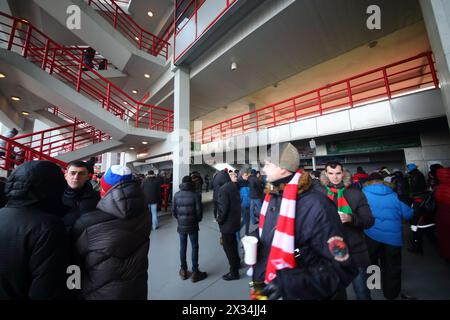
[(79, 196)]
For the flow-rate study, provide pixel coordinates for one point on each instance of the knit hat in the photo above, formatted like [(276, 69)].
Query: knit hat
[(113, 176), (289, 158), (411, 166)]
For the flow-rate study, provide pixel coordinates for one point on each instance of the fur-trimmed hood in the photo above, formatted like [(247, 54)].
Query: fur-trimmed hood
[(346, 179), (304, 184)]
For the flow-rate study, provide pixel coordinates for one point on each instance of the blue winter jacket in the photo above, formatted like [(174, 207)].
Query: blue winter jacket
[(244, 191), (389, 213)]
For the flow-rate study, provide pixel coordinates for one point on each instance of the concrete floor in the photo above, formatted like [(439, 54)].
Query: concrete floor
[(424, 277)]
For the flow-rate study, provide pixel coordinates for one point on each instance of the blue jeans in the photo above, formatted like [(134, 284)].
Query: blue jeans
[(154, 210), (255, 204), (360, 285), (245, 212), (183, 246)]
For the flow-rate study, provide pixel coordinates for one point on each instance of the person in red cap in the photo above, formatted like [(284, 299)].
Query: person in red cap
[(112, 242)]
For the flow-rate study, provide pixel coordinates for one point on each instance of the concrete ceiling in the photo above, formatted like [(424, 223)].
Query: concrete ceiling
[(305, 34), (396, 46), (160, 8)]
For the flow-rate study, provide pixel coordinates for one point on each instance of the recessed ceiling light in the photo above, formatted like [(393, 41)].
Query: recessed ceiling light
[(25, 113), (137, 39), (131, 148), (125, 102), (25, 20), (134, 91), (2, 75), (147, 75), (150, 14), (14, 98), (144, 142)]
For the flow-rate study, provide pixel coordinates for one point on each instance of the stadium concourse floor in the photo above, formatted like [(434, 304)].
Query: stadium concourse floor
[(424, 277)]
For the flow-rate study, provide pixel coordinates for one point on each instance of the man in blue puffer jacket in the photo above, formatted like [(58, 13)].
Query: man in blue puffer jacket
[(244, 191), (384, 238)]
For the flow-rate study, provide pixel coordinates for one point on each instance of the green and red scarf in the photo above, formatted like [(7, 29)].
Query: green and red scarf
[(343, 206)]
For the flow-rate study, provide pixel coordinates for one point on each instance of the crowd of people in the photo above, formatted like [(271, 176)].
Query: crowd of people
[(318, 232)]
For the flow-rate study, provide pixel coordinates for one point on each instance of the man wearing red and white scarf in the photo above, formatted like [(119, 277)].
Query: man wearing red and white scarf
[(301, 251)]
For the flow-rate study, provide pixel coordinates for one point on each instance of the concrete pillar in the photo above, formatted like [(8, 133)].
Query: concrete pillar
[(435, 13), (181, 137)]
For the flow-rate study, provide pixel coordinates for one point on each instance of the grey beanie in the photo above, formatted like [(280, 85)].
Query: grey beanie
[(289, 157)]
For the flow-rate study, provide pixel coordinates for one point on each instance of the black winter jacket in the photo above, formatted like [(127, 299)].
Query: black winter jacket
[(323, 263), (187, 208), (79, 202), (152, 189), (401, 187), (3, 198), (33, 241), (112, 245), (218, 181), (256, 187), (362, 218), (417, 182), (229, 208)]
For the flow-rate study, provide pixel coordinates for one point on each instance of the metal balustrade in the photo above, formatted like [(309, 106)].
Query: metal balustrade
[(20, 36), (121, 21), (384, 83)]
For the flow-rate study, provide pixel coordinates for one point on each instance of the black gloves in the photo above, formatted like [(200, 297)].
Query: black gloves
[(272, 291)]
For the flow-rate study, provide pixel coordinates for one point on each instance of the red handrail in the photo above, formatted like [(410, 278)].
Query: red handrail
[(69, 68), (140, 37), (387, 82), (62, 139), (13, 153)]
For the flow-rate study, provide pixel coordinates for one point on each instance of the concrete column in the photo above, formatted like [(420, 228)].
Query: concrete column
[(181, 137), (435, 13)]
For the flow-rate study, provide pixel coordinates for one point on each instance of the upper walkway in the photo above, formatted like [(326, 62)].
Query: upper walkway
[(63, 80)]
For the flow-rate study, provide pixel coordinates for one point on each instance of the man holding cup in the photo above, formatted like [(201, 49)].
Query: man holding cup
[(301, 250)]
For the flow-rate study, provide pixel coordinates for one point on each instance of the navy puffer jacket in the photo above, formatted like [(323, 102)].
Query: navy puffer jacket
[(187, 208)]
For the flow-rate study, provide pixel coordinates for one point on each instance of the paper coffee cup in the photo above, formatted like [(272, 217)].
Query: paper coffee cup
[(250, 245)]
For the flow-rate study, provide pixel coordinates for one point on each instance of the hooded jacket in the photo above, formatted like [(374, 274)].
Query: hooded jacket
[(33, 242), (323, 263), (219, 180), (112, 245), (388, 211), (187, 208), (362, 218)]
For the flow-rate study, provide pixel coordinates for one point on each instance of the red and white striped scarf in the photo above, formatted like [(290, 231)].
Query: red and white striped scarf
[(282, 251)]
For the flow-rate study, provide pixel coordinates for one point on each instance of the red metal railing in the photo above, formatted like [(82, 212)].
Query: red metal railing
[(185, 7), (13, 153), (98, 62), (56, 141), (121, 21), (18, 35), (387, 82)]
